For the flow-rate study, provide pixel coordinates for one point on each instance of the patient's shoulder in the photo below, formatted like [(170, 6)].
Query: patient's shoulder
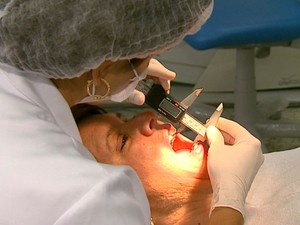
[(283, 160)]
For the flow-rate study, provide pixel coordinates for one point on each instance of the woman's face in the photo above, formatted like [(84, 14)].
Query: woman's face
[(146, 144), (118, 74)]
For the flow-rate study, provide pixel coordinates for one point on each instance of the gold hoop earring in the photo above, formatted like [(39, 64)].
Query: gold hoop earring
[(92, 94)]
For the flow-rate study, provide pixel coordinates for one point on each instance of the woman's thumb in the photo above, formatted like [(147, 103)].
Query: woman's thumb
[(214, 136), (136, 97)]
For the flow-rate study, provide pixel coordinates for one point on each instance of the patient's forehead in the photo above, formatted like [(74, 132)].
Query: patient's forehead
[(103, 120)]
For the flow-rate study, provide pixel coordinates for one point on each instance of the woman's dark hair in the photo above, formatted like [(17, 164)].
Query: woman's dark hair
[(83, 110)]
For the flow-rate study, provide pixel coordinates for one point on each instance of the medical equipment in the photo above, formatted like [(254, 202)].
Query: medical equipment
[(253, 28), (175, 111)]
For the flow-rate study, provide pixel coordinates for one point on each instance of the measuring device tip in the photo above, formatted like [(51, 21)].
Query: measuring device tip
[(198, 91), (220, 107)]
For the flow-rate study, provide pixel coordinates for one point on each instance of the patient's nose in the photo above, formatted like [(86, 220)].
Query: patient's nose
[(145, 123)]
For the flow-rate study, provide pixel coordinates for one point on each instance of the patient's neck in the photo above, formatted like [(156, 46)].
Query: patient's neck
[(188, 205)]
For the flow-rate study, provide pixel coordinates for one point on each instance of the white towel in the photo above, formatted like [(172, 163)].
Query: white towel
[(274, 198)]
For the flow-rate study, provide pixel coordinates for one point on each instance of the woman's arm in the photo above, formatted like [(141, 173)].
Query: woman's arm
[(226, 216)]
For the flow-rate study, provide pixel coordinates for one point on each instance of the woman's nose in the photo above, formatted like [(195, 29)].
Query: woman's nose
[(145, 123)]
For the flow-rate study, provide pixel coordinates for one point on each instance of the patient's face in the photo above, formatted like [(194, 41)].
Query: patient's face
[(144, 143)]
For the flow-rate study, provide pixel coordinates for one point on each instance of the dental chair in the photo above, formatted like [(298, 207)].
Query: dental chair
[(249, 27)]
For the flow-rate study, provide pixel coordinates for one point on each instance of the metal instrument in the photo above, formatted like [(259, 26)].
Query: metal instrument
[(176, 111)]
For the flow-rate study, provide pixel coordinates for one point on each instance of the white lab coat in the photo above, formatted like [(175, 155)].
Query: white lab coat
[(46, 175)]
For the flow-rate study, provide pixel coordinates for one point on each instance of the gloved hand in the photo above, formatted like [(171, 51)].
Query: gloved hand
[(234, 157), (155, 69)]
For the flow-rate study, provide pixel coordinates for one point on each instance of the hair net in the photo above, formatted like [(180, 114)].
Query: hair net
[(65, 38)]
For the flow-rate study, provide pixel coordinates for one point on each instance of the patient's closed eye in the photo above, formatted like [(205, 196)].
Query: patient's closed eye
[(124, 140)]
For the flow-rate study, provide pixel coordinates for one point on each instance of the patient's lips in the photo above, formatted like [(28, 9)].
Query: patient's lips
[(171, 134), (180, 143), (197, 148), (171, 129)]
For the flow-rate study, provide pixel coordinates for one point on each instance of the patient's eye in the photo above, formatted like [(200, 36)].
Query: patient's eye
[(123, 141)]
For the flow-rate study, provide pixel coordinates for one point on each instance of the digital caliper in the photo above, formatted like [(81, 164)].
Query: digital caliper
[(175, 111)]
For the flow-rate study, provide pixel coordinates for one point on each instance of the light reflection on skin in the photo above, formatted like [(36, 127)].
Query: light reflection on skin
[(170, 177)]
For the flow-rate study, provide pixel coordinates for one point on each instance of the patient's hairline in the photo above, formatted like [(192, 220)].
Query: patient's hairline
[(84, 111)]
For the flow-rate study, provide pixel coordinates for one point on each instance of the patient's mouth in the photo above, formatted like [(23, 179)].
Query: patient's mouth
[(179, 142)]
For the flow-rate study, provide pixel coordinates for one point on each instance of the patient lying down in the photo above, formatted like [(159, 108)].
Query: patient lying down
[(175, 177)]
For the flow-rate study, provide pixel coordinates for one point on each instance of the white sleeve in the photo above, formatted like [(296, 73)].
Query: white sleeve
[(116, 199)]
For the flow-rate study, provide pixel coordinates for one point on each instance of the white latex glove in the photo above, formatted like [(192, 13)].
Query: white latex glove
[(154, 69), (234, 157)]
